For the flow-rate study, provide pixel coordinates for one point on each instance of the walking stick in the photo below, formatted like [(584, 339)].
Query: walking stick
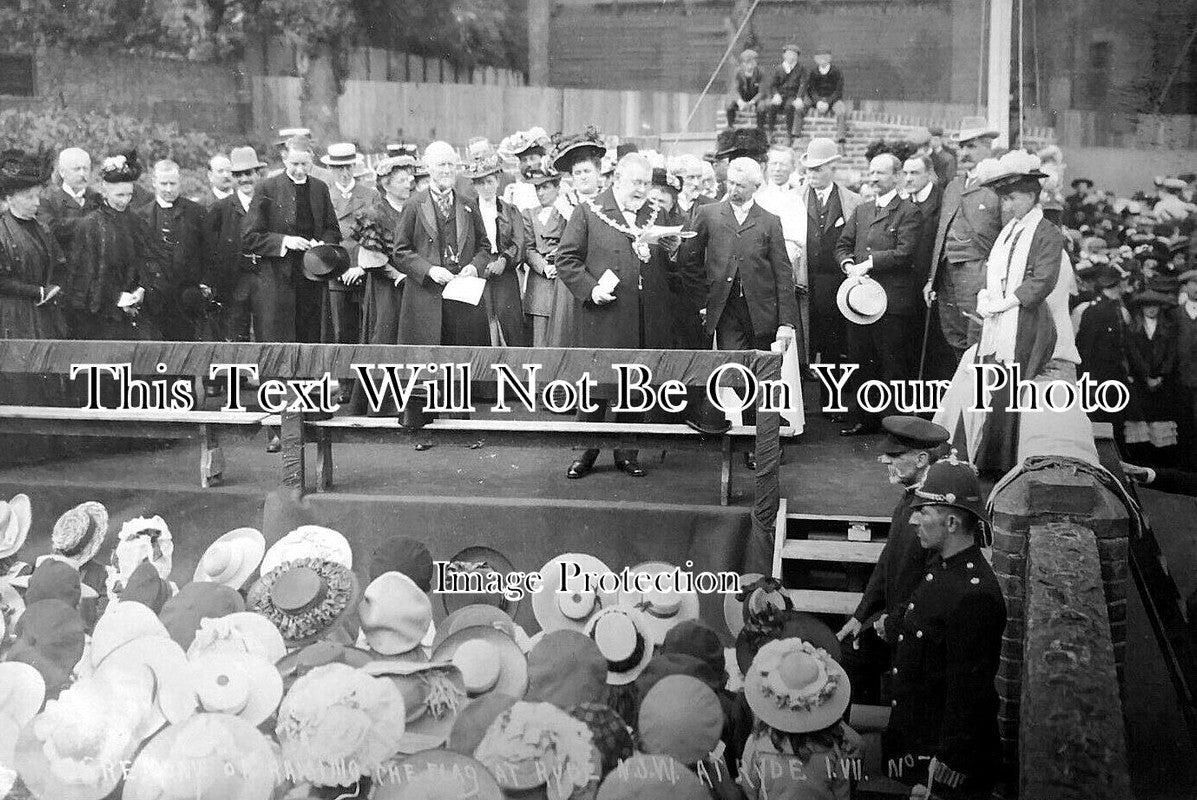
[(926, 335)]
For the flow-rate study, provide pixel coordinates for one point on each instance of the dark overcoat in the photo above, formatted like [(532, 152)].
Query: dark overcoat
[(890, 236)]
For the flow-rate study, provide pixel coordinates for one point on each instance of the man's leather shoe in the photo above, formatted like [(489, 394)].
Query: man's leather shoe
[(632, 468), (579, 469), (708, 427), (859, 429), (750, 460)]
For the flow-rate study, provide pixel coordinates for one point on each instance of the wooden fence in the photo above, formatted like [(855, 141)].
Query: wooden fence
[(373, 111)]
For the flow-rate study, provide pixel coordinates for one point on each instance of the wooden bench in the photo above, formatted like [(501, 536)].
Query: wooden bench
[(496, 432), (178, 425)]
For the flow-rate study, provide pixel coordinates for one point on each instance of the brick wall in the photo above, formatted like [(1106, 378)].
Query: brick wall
[(1021, 512), (900, 51)]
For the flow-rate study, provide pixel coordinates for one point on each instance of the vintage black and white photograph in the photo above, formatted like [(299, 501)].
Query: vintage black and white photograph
[(598, 399)]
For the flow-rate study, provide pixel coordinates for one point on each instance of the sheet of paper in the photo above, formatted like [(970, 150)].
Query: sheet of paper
[(608, 281), (464, 289)]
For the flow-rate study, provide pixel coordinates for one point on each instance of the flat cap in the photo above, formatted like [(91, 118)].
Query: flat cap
[(905, 433)]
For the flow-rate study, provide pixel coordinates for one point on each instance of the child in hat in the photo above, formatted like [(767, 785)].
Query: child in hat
[(1151, 434), (800, 747)]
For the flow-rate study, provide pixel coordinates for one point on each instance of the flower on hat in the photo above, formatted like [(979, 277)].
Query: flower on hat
[(337, 713), (89, 728), (795, 698), (535, 740)]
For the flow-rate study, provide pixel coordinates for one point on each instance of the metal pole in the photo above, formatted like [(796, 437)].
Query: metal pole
[(1001, 18), (1021, 48)]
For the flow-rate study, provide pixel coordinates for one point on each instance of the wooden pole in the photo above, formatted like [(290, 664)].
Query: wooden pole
[(1001, 19), (539, 12)]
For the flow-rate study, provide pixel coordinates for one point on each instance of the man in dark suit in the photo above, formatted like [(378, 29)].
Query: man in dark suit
[(64, 206), (739, 254), (969, 221), (350, 197), (291, 211), (825, 94), (610, 234), (175, 297), (879, 241), (244, 290), (221, 182), (918, 180), (689, 170), (828, 207), (942, 157), (785, 91), (440, 236)]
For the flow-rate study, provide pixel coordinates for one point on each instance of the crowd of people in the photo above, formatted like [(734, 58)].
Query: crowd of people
[(292, 665)]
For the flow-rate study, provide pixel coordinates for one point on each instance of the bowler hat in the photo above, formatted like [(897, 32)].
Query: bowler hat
[(325, 262), (245, 159), (820, 151), (861, 300), (919, 137)]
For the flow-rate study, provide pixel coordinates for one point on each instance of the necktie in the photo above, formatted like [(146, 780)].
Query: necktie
[(444, 202)]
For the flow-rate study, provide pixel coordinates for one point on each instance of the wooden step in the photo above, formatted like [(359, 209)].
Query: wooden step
[(820, 601), (832, 550)]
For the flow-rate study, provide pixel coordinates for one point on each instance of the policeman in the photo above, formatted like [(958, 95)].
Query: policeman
[(947, 646), (910, 447)]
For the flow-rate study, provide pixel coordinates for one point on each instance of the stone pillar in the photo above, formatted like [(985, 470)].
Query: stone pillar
[(1035, 499)]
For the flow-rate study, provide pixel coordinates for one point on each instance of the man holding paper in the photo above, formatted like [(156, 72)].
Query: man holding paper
[(442, 248), (879, 241), (740, 256), (615, 263)]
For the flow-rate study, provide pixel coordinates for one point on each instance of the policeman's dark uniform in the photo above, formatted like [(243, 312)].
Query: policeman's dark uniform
[(945, 659), (900, 567)]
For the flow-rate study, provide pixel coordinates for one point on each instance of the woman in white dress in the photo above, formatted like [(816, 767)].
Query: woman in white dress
[(1024, 312)]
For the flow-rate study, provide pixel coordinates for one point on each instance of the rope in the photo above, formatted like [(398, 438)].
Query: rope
[(730, 47)]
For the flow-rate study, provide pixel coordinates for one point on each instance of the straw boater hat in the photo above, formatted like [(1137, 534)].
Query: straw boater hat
[(341, 154), (394, 615), (437, 775), (489, 661), (191, 761), (974, 128), (555, 609), (433, 695), (861, 300), (336, 713), (624, 639), (15, 518), (662, 610), (305, 599), (536, 750), (309, 541), (232, 558), (796, 687), (484, 560), (79, 533)]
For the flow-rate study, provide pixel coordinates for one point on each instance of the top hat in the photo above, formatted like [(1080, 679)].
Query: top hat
[(974, 128), (861, 300), (245, 159), (341, 154), (820, 151)]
